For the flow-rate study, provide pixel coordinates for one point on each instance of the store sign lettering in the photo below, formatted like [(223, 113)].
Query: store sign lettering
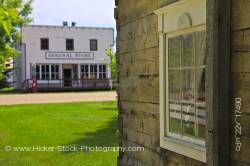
[(69, 55)]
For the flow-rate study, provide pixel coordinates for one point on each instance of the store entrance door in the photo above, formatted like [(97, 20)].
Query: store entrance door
[(67, 76)]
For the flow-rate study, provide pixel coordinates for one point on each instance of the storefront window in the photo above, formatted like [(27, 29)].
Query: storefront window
[(47, 71), (102, 71), (37, 72), (85, 71), (54, 72), (93, 71)]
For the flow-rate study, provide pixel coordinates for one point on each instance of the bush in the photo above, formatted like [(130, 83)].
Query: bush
[(3, 83)]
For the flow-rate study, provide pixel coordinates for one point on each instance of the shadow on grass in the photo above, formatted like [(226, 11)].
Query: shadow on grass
[(105, 136)]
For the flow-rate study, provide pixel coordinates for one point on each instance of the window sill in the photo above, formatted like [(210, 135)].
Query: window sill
[(191, 150)]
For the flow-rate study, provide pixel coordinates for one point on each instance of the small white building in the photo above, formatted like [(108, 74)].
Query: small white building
[(64, 56)]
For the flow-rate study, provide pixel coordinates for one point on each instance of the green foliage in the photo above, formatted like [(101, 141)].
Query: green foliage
[(112, 55), (3, 83), (13, 15)]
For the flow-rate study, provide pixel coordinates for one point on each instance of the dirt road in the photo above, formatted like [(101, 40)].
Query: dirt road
[(11, 99)]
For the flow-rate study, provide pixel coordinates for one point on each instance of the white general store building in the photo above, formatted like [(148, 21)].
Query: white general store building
[(64, 56)]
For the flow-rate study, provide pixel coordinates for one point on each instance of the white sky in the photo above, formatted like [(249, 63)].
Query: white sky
[(91, 13)]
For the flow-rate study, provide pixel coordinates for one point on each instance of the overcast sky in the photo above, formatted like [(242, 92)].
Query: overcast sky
[(91, 13)]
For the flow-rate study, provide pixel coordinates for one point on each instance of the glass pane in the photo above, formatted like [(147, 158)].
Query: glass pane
[(175, 117), (37, 68), (200, 85), (200, 48), (187, 59), (38, 75), (174, 85), (86, 68), (188, 85), (100, 68), (52, 76), (174, 52), (47, 75), (95, 68), (57, 68), (93, 45), (47, 68), (52, 68), (188, 119), (43, 68), (200, 101), (43, 76), (104, 68), (201, 115)]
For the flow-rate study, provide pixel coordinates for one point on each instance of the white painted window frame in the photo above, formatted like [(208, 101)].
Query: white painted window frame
[(102, 72), (83, 72), (186, 146), (50, 71)]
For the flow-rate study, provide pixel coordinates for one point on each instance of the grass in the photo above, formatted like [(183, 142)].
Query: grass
[(51, 125)]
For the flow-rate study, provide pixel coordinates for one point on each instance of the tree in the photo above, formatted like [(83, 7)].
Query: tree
[(113, 66), (13, 15)]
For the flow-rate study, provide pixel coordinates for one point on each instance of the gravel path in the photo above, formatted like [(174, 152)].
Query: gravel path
[(11, 99)]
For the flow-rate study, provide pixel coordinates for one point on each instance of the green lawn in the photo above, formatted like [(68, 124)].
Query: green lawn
[(52, 125)]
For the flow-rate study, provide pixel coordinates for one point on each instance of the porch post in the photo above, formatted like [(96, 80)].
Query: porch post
[(217, 87), (40, 71), (89, 70), (49, 71), (79, 73), (97, 71), (61, 71)]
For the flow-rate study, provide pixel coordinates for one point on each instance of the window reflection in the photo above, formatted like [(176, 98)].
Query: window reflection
[(174, 52), (187, 57), (186, 85)]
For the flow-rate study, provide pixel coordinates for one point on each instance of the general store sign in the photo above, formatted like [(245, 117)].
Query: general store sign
[(69, 55)]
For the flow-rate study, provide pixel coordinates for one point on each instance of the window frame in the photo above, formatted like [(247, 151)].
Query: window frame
[(56, 73), (38, 73), (41, 43), (90, 48), (191, 147), (67, 44), (103, 72), (167, 36), (84, 72), (168, 26), (93, 74)]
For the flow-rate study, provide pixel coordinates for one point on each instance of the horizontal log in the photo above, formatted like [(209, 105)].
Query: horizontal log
[(241, 41), (141, 89), (130, 10), (243, 154), (240, 62), (240, 14)]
